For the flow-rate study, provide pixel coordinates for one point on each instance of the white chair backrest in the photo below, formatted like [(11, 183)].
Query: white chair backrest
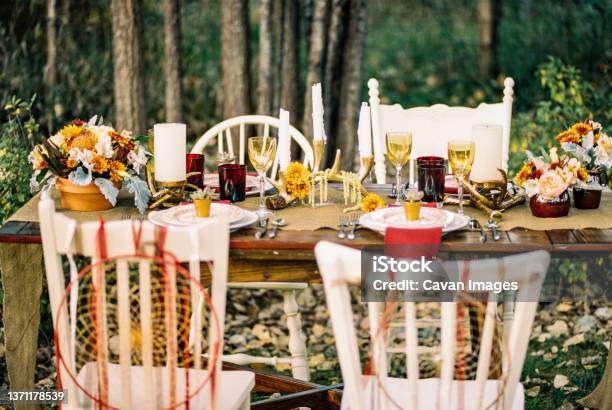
[(341, 266), (223, 133), (64, 236), (433, 127)]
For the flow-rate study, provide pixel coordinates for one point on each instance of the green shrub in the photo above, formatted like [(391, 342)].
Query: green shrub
[(17, 135)]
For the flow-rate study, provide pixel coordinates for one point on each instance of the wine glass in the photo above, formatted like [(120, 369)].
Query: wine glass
[(399, 145), (262, 151), (461, 158)]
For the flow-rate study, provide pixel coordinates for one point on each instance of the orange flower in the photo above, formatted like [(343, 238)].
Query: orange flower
[(569, 136), (116, 168), (581, 128), (71, 163), (121, 141), (583, 175), (100, 164), (527, 172), (85, 140)]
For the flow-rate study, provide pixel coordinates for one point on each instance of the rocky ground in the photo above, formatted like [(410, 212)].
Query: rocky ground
[(566, 358)]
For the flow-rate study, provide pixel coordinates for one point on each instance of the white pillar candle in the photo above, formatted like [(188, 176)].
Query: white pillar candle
[(170, 145), (318, 128), (364, 131), (284, 144), (488, 147)]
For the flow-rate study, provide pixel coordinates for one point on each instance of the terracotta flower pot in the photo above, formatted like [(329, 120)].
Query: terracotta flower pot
[(550, 208), (82, 197)]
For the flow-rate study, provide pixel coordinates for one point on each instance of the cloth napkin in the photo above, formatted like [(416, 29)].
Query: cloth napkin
[(412, 243)]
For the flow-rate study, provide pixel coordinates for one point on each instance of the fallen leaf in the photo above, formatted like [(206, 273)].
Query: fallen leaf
[(533, 392), (574, 340), (318, 330), (564, 307), (559, 328), (554, 349), (544, 337), (560, 381), (316, 360), (261, 332)]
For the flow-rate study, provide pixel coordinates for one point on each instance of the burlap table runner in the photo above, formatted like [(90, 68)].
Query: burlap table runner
[(303, 218)]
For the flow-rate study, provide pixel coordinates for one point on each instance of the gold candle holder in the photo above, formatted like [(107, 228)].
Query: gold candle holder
[(167, 194)]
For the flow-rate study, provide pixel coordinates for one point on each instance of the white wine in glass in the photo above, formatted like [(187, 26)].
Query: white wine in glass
[(461, 158), (262, 151), (399, 145)]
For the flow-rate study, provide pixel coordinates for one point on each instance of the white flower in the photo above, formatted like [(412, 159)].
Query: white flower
[(57, 139), (84, 156), (532, 187), (588, 140), (553, 155), (104, 146), (539, 163), (552, 184), (594, 125), (137, 158), (603, 151)]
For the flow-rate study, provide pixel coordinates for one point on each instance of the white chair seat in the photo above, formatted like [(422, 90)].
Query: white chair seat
[(235, 386), (429, 389)]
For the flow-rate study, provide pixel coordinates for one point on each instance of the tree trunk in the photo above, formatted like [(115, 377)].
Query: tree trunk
[(172, 60), (316, 59), (235, 58), (351, 82), (289, 79), (279, 10), (333, 69), (264, 79), (127, 66), (488, 15), (50, 71)]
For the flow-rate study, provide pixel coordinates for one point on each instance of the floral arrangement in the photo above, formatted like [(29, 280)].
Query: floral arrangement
[(91, 152), (371, 202), (206, 193), (550, 175), (589, 144), (297, 180)]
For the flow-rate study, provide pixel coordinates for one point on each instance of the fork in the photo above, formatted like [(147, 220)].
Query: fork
[(341, 225), (353, 223)]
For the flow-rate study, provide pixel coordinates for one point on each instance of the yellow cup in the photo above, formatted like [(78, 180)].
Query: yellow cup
[(412, 210), (202, 207)]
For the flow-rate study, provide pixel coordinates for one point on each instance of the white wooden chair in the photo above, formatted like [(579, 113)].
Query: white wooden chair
[(142, 386), (433, 127), (223, 133), (340, 266), (297, 345)]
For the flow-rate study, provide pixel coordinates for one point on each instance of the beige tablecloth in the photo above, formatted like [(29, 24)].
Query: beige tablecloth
[(303, 218)]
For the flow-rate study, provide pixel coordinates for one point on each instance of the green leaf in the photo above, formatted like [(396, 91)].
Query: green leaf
[(108, 190), (139, 188)]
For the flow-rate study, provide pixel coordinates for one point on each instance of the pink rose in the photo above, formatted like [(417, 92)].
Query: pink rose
[(552, 185)]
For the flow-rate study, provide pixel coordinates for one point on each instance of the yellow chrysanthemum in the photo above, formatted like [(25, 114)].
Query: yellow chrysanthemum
[(372, 202), (297, 178), (85, 140), (581, 128), (70, 131), (116, 168), (100, 164), (71, 163), (583, 175), (569, 136)]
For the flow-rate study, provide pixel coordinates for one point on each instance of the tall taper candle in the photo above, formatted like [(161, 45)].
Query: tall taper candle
[(488, 152), (364, 131), (318, 127), (170, 142), (284, 143)]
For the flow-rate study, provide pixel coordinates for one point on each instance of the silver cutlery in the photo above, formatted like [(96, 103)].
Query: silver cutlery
[(353, 224), (474, 224), (342, 224), (278, 222), (493, 225), (263, 222)]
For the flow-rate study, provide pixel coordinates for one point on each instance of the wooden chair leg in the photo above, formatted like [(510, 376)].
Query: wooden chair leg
[(297, 343)]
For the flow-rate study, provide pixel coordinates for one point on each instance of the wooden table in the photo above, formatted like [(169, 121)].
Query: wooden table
[(289, 257)]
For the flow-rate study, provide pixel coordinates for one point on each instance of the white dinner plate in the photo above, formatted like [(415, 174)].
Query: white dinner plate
[(380, 219), (238, 219), (428, 218)]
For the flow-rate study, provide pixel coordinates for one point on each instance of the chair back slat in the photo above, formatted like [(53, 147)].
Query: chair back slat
[(222, 130), (170, 322), (125, 330), (146, 326), (98, 278), (434, 126), (197, 306), (340, 267)]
